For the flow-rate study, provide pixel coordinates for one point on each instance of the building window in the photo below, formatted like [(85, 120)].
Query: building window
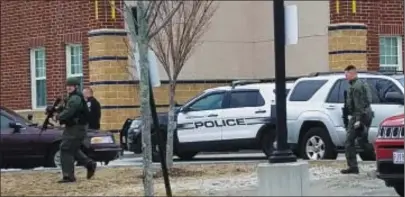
[(391, 53), (74, 62), (38, 78)]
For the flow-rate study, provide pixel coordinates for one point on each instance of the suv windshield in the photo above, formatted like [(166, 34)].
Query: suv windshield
[(17, 116)]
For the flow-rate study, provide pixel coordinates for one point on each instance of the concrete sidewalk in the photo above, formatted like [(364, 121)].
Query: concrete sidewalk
[(364, 184)]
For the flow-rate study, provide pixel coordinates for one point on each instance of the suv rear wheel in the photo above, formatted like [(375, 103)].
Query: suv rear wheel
[(316, 144), (267, 142)]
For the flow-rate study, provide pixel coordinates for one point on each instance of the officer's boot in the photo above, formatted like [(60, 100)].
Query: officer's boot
[(350, 170), (67, 179), (91, 169)]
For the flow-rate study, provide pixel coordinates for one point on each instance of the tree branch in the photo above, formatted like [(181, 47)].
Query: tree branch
[(152, 20), (167, 20)]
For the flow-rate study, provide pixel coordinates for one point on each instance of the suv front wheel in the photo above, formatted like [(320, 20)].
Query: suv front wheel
[(316, 144)]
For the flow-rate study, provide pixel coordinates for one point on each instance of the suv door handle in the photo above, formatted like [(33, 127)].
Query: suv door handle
[(260, 111), (213, 115), (330, 107)]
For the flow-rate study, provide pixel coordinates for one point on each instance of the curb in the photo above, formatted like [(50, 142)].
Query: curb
[(157, 165)]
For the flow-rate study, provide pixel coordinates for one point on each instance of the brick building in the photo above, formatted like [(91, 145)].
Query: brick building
[(58, 39)]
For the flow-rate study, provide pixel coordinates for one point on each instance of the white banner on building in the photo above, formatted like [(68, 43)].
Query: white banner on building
[(291, 24)]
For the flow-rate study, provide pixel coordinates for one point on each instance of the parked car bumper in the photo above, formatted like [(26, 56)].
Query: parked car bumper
[(104, 152), (134, 142), (389, 172)]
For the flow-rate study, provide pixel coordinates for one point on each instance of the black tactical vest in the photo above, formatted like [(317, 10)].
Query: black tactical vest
[(80, 117)]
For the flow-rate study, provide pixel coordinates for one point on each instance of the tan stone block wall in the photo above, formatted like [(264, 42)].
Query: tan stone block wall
[(347, 46), (113, 119), (108, 45), (338, 62), (109, 70), (352, 39), (116, 95)]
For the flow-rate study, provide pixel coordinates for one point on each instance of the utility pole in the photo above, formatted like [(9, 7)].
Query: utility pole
[(283, 153)]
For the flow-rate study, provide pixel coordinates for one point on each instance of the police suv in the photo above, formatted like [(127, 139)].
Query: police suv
[(228, 118)]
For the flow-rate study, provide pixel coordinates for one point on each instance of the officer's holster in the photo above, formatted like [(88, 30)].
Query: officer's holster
[(365, 123)]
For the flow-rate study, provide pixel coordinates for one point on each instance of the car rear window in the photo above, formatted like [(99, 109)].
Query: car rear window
[(251, 98), (304, 90)]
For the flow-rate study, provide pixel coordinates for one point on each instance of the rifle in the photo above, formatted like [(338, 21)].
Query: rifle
[(49, 113), (345, 110)]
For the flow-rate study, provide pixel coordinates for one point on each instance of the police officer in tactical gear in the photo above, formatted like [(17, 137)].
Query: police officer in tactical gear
[(74, 117), (360, 117)]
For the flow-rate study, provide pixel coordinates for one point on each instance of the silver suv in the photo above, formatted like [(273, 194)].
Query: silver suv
[(314, 112)]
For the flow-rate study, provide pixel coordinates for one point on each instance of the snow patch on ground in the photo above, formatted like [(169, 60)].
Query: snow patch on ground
[(248, 182)]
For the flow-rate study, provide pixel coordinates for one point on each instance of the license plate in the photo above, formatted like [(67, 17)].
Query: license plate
[(398, 157)]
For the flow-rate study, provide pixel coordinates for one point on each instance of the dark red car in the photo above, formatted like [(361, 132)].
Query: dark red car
[(22, 144), (389, 148)]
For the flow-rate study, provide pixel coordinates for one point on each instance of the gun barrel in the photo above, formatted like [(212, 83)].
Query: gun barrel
[(49, 114)]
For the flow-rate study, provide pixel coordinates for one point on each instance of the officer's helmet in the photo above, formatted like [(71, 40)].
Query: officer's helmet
[(72, 81)]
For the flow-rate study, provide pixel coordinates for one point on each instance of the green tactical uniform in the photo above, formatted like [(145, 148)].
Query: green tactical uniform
[(73, 117), (358, 102)]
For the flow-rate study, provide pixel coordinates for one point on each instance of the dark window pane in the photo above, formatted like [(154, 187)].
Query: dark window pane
[(304, 90), (4, 122), (210, 102), (383, 86), (41, 93), (344, 86), (334, 93), (372, 83), (246, 99)]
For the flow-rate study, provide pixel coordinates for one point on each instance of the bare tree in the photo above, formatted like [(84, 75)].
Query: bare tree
[(142, 28), (175, 44)]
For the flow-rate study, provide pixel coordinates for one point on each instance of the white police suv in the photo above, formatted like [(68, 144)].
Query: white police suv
[(222, 119)]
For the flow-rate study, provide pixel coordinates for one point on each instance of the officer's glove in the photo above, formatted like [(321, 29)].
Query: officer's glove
[(357, 124)]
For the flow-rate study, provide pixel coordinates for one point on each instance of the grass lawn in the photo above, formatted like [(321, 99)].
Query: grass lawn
[(186, 180), (121, 181)]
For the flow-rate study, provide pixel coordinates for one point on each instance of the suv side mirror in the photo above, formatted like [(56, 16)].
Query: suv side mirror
[(394, 97), (176, 104), (187, 109), (183, 110), (29, 117), (16, 126)]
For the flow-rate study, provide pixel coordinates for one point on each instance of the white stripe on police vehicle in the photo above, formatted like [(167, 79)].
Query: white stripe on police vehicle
[(222, 123)]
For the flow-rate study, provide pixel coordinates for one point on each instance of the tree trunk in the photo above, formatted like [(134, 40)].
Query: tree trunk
[(145, 101), (171, 126)]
